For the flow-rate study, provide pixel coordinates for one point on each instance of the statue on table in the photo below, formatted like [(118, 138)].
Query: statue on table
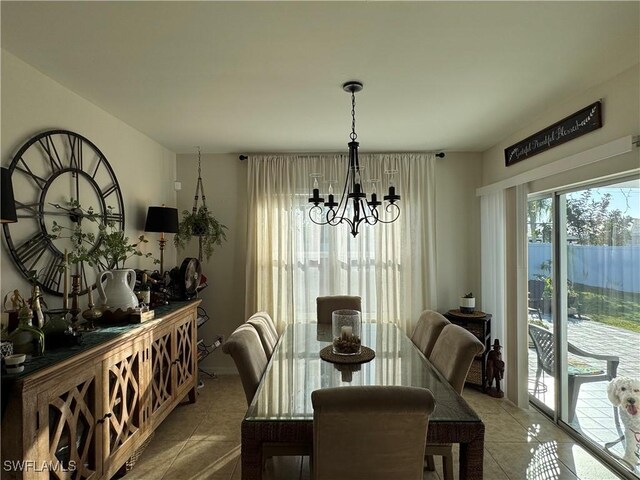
[(495, 370)]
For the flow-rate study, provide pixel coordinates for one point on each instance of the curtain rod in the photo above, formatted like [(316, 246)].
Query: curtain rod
[(439, 155)]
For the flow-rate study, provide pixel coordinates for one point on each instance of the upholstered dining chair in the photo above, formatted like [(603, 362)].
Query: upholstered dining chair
[(278, 327), (246, 349), (328, 304), (452, 355), (427, 331), (266, 331), (372, 432)]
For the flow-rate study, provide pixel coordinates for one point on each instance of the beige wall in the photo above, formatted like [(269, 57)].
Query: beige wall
[(621, 117), (225, 183), (32, 103), (457, 228)]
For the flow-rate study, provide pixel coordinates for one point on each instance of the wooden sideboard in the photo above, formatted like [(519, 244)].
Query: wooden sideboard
[(84, 416)]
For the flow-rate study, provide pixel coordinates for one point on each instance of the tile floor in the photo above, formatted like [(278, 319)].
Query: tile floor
[(202, 441)]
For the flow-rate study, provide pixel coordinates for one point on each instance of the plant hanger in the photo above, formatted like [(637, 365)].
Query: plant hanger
[(200, 222)]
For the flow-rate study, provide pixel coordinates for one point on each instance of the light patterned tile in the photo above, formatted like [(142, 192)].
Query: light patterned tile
[(583, 464), (148, 467), (204, 459)]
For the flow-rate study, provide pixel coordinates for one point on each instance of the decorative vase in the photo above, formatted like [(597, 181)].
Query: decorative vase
[(346, 326), (26, 338), (115, 288), (467, 304)]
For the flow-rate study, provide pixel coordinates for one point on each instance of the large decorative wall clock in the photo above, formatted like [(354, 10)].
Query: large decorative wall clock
[(48, 171)]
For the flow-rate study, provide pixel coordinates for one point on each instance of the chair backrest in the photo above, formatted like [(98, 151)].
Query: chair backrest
[(245, 348), (543, 343), (427, 331), (536, 288), (453, 354), (327, 305), (266, 332), (372, 432)]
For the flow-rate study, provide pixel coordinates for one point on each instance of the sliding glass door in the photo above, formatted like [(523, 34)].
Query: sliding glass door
[(584, 247), (542, 385)]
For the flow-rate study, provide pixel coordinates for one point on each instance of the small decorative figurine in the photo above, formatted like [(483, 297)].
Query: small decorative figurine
[(495, 370)]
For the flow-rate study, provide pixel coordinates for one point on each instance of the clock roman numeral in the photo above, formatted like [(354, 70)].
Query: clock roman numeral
[(27, 210), (75, 144), (112, 217), (109, 190), (32, 249), (41, 182), (52, 153), (52, 273)]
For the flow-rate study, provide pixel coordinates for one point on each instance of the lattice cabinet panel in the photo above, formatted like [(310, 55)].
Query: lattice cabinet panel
[(162, 389), (185, 359), (68, 412), (123, 410)]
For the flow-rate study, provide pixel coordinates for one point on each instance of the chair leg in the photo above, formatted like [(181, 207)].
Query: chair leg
[(574, 390), (447, 467), (431, 464)]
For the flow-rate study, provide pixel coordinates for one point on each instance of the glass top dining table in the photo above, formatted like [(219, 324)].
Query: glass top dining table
[(281, 409)]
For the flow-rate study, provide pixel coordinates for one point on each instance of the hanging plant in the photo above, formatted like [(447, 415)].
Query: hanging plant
[(200, 223)]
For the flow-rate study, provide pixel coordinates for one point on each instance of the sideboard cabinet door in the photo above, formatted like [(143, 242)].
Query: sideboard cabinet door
[(185, 354), (161, 382), (123, 382), (69, 412)]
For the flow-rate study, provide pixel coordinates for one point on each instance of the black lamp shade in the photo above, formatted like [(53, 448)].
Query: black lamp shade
[(8, 202), (162, 219)]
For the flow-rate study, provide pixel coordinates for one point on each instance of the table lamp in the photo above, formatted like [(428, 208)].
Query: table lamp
[(8, 202), (162, 220)]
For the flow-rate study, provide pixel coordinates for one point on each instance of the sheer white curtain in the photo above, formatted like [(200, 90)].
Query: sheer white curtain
[(493, 263), (291, 261)]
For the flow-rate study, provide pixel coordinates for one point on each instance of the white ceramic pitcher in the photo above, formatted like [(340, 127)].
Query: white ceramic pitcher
[(116, 290)]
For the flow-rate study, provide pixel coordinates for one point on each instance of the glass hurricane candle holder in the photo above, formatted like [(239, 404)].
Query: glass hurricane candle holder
[(346, 326)]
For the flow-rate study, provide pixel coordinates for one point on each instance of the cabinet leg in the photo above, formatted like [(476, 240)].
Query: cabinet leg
[(192, 395)]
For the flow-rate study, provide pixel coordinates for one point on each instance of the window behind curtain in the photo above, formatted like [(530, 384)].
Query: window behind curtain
[(292, 261)]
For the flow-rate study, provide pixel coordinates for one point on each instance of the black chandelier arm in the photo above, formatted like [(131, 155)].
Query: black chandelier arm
[(389, 207)]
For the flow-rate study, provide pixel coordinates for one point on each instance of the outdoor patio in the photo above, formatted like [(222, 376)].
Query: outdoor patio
[(594, 413)]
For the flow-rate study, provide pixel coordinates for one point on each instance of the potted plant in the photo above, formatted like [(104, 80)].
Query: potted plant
[(108, 250), (468, 303), (200, 223)]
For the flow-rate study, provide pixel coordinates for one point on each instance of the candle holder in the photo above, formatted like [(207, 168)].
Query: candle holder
[(75, 293), (346, 326)]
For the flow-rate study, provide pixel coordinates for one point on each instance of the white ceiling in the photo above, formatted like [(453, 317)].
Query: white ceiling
[(266, 76)]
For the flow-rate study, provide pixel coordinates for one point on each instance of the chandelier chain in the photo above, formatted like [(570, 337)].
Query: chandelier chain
[(353, 134)]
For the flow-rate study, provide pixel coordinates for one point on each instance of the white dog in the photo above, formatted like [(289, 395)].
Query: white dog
[(624, 393)]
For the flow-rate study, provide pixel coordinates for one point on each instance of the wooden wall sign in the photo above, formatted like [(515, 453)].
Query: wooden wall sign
[(573, 126)]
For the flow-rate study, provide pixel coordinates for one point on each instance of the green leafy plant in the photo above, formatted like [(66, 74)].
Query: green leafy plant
[(109, 249), (201, 224), (468, 295)]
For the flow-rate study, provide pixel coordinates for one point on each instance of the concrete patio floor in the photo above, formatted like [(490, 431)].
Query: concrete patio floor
[(595, 416)]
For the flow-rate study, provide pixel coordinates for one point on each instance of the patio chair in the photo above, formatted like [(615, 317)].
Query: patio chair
[(579, 371), (536, 287)]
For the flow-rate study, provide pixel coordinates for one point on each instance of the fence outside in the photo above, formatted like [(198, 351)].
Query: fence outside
[(601, 266)]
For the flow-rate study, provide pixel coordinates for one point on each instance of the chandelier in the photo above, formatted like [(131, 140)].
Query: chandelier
[(353, 208)]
